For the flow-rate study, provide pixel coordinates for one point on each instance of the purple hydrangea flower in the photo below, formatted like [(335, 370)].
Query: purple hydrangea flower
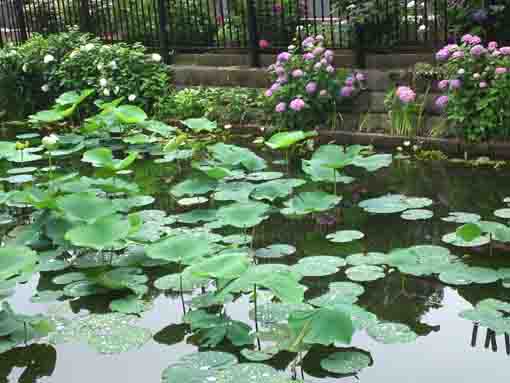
[(282, 79), (405, 94), (458, 54), (297, 104), (308, 56), (492, 46), (442, 55), (280, 107), (496, 53), (501, 70), (308, 42), (346, 91), (505, 51), (475, 40), (443, 84), (319, 38), (268, 93), (318, 51), (466, 38), (275, 87), (311, 87), (483, 85), (349, 81), (455, 84), (441, 102), (284, 56), (477, 50), (279, 70), (360, 76)]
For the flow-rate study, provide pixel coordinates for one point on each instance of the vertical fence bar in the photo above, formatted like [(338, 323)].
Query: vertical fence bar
[(163, 30), (252, 34), (84, 16), (20, 19)]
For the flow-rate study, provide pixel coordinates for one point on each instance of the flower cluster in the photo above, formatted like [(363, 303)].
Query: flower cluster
[(477, 86), (306, 86)]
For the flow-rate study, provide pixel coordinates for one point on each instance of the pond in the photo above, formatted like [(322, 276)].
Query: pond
[(412, 309)]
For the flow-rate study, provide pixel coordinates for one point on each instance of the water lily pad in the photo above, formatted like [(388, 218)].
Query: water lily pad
[(173, 282), (318, 266), (275, 251), (251, 373), (455, 240), (85, 207), (194, 186), (180, 248), (310, 202), (417, 214), (364, 273), (460, 274), (264, 176), (339, 293), (192, 201), (345, 236), (272, 313), (461, 217), (390, 333), (502, 213), (346, 362), (199, 367), (420, 260), (243, 214), (394, 203), (370, 258), (128, 305), (275, 189), (259, 356), (233, 191)]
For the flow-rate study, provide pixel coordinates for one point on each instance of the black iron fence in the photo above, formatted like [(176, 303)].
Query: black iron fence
[(248, 25)]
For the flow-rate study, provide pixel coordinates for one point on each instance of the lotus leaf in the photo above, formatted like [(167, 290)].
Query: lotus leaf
[(284, 140), (345, 236), (181, 248), (390, 333), (393, 203), (310, 202), (85, 207), (370, 258), (194, 186), (243, 214), (128, 305), (364, 273), (346, 362), (275, 189), (417, 214), (233, 191), (104, 233), (198, 125), (232, 155), (228, 266), (275, 251), (264, 176), (103, 158), (461, 217), (318, 266), (130, 114), (16, 260)]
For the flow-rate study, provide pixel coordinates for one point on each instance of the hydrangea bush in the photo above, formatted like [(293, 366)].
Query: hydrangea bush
[(306, 87), (477, 88), (406, 110)]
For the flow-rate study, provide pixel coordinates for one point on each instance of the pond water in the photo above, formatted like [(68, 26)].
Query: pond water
[(447, 347)]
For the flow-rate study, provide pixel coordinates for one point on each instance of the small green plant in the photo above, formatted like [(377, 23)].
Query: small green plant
[(405, 112)]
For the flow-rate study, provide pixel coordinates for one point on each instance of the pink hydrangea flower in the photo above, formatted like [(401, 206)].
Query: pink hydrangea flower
[(505, 51), (346, 91), (349, 81), (268, 93), (455, 84), (405, 94), (477, 50), (475, 40), (308, 42), (501, 70), (280, 107), (282, 79), (279, 70), (275, 87), (492, 46), (297, 104), (311, 87), (360, 76), (466, 38), (442, 55), (297, 73), (483, 85), (458, 54), (318, 51), (443, 84), (284, 56), (308, 56)]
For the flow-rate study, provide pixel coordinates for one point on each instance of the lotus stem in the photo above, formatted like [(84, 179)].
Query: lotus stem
[(334, 178), (490, 245)]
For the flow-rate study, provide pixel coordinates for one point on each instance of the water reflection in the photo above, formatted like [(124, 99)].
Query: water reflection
[(36, 361)]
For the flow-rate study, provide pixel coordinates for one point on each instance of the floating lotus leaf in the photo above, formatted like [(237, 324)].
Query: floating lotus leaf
[(284, 140), (374, 162), (468, 232), (275, 189), (176, 155), (339, 293), (233, 191), (460, 274), (502, 213), (130, 114), (233, 155), (84, 289), (461, 217), (180, 248), (106, 333), (199, 367), (140, 138), (122, 278), (390, 333), (16, 260), (346, 362), (361, 318), (272, 313), (417, 214), (67, 278), (393, 203), (251, 373), (345, 236), (197, 216), (243, 214), (480, 316), (104, 233), (336, 156), (22, 170), (494, 304), (275, 251), (103, 158), (228, 266), (46, 296), (264, 176), (318, 266), (126, 204), (370, 258), (455, 240), (85, 207), (310, 202), (420, 260), (19, 179), (192, 201), (259, 356), (364, 273), (22, 156), (194, 186), (198, 125), (209, 300), (128, 305)]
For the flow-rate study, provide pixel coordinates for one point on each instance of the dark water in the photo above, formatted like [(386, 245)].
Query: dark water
[(444, 352)]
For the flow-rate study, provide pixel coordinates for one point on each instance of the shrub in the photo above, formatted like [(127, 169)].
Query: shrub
[(477, 88), (33, 74), (306, 87)]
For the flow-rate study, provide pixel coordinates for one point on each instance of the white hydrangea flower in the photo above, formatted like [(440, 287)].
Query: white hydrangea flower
[(88, 47), (103, 82), (45, 88), (100, 66), (156, 57), (74, 54), (132, 97), (116, 90), (48, 58), (106, 92)]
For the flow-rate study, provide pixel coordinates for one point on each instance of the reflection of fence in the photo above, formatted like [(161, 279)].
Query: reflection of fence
[(490, 339), (233, 24)]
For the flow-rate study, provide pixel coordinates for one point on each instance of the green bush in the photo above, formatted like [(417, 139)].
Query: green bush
[(35, 73)]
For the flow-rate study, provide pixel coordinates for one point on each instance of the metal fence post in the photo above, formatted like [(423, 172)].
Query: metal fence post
[(359, 48), (85, 16), (163, 31), (19, 7), (253, 48)]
